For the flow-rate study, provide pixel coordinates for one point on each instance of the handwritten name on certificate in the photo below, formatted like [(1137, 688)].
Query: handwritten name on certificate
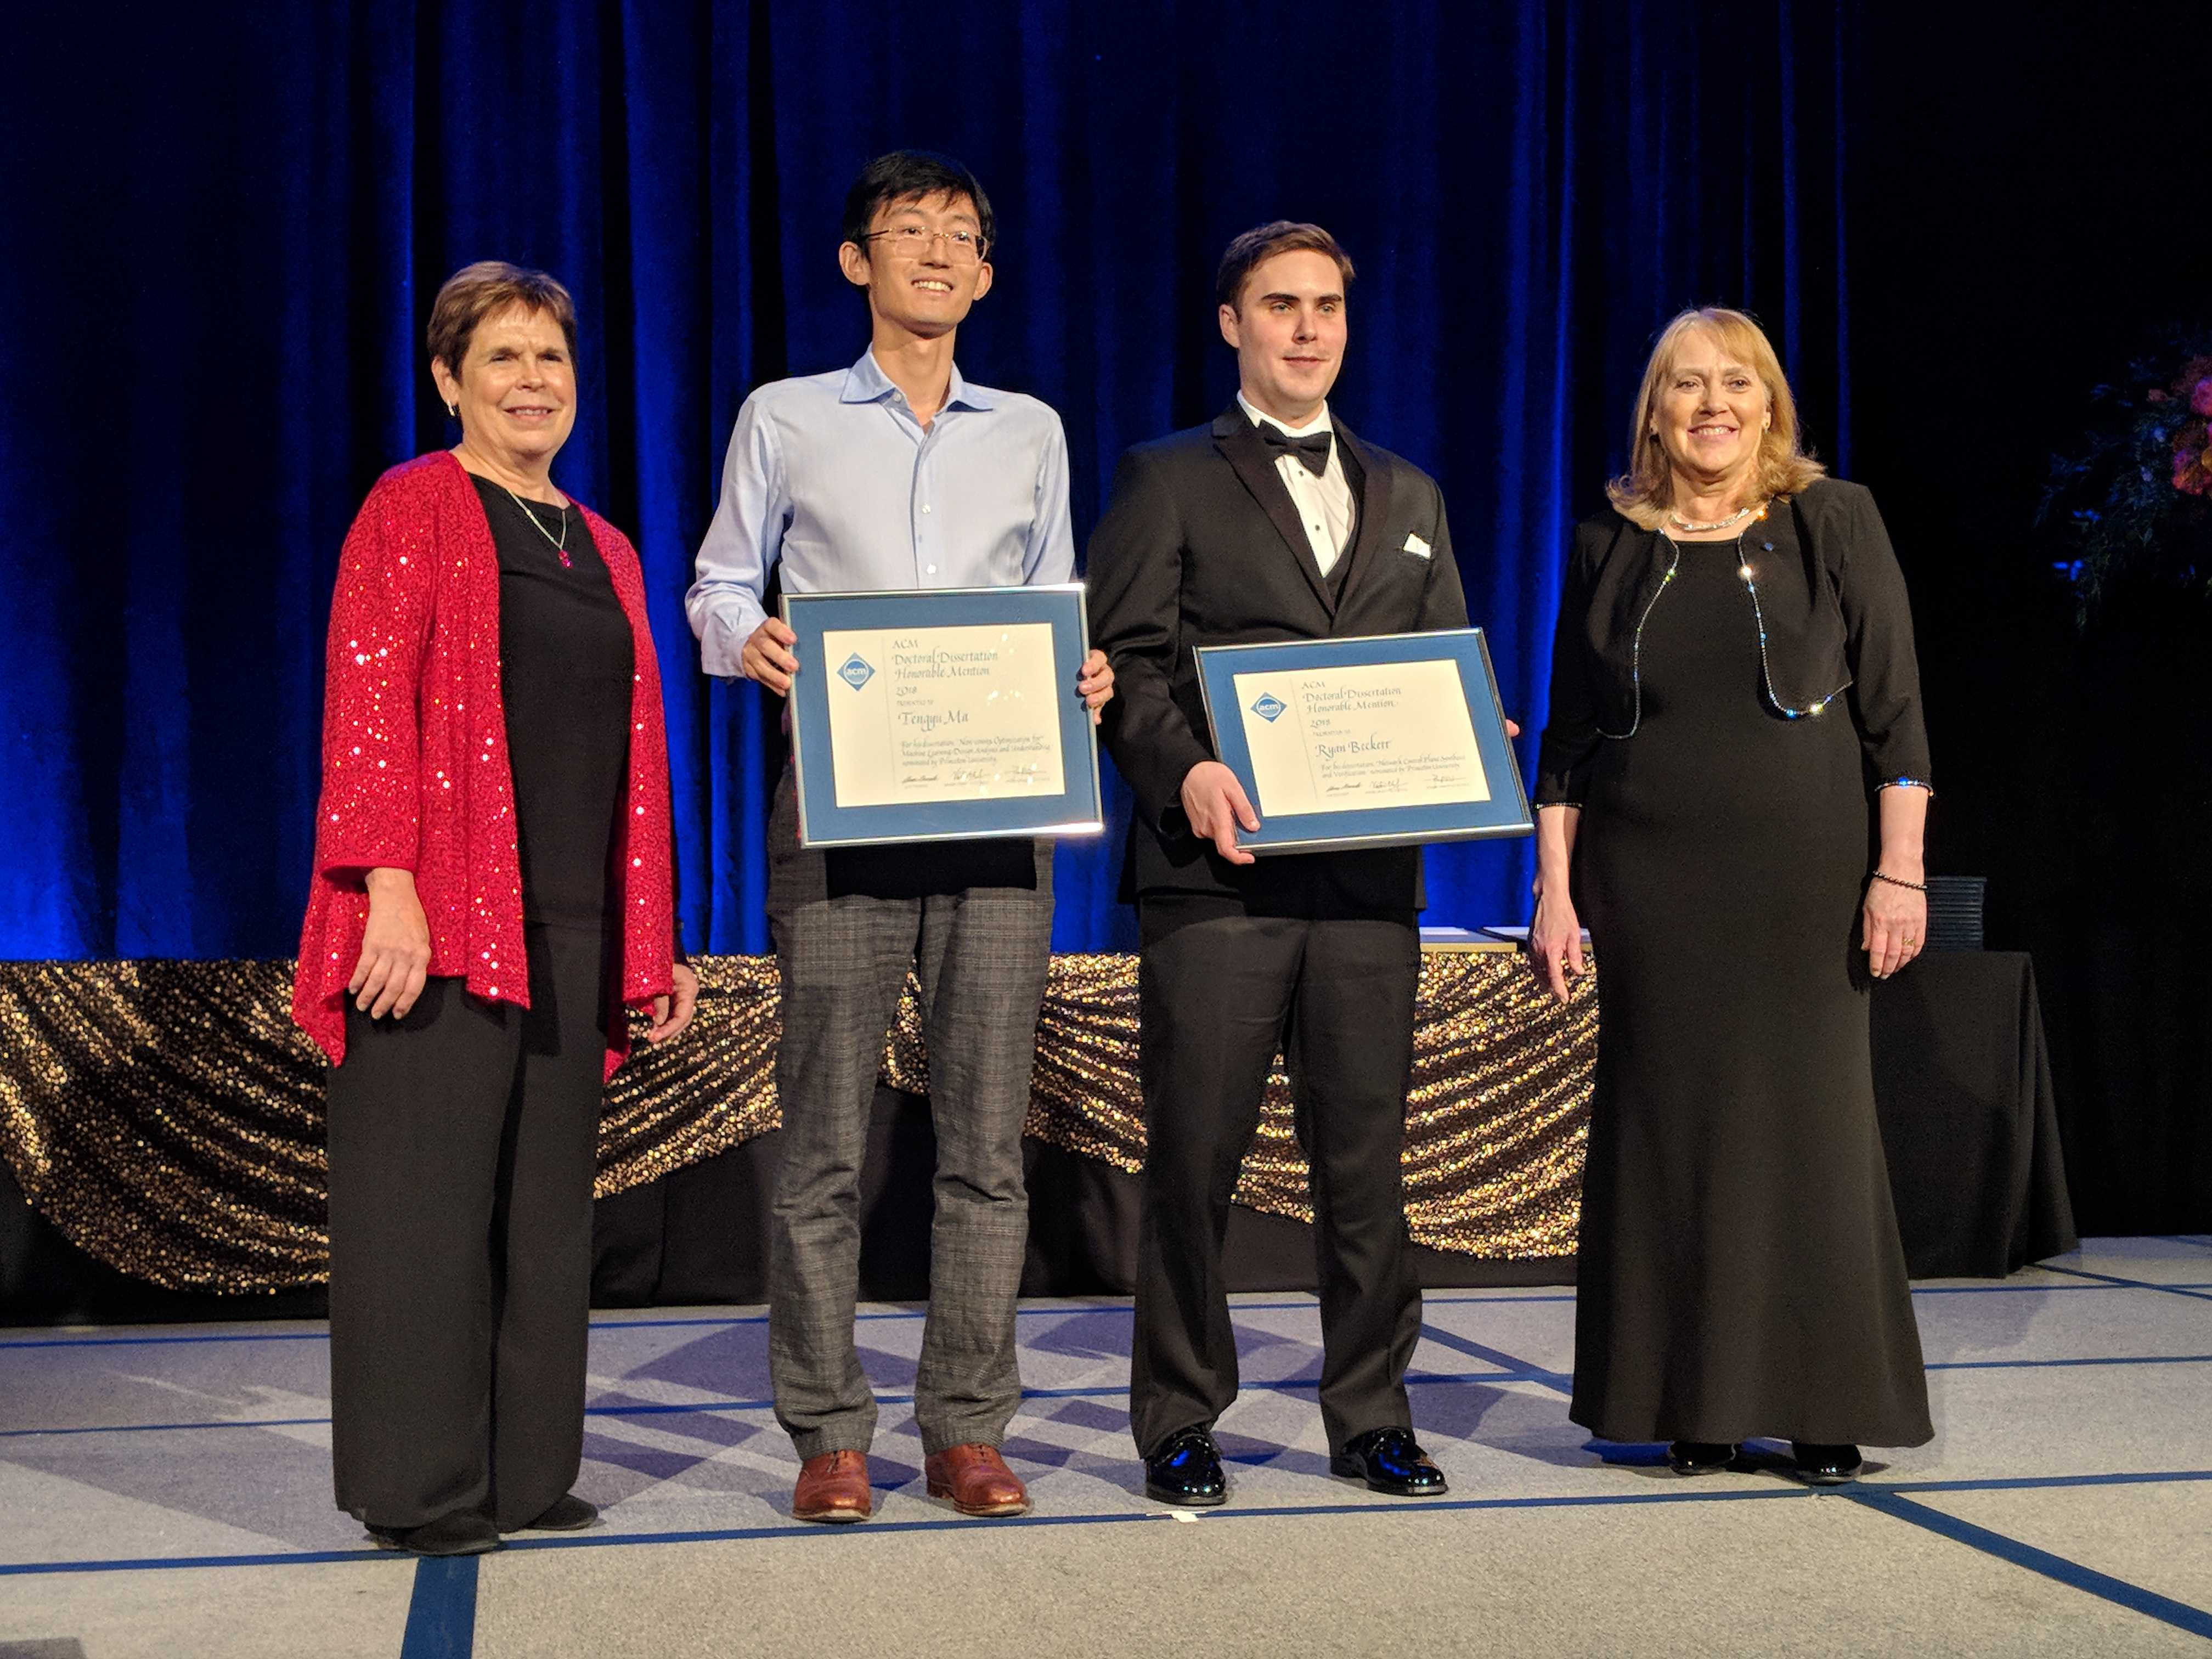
[(943, 713), (1334, 739)]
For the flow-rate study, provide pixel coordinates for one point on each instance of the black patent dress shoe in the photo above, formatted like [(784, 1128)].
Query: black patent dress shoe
[(1187, 1471), (1389, 1461), (465, 1534), (1700, 1456), (1818, 1464), (566, 1514)]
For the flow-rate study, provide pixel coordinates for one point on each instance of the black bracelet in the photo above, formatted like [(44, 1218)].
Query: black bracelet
[(1917, 886)]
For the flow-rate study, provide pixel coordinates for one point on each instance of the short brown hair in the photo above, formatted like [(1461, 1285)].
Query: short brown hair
[(476, 292), (1264, 242), (1644, 492)]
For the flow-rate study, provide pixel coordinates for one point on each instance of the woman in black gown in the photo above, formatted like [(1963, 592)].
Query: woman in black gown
[(1733, 687)]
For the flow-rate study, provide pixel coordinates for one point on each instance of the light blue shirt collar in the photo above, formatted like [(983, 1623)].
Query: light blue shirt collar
[(866, 383)]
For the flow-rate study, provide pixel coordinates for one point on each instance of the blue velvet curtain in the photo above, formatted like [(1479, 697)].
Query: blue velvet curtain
[(225, 231)]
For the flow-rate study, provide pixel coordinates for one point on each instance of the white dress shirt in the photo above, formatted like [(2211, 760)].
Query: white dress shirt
[(1324, 503)]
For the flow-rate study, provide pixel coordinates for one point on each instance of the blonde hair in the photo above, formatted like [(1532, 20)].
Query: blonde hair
[(1644, 492)]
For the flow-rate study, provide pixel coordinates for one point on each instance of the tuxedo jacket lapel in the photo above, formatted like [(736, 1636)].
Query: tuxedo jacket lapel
[(1374, 509), (1249, 453)]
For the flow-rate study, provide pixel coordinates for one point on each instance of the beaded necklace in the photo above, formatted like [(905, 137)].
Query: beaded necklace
[(1745, 574)]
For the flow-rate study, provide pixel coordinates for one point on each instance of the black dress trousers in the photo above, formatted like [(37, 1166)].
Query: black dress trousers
[(463, 1142), (1220, 992), (464, 1138)]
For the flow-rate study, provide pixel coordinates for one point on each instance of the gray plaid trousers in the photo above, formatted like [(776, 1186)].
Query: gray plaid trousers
[(981, 956)]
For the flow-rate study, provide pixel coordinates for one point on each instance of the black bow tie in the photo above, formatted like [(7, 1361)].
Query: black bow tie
[(1312, 449)]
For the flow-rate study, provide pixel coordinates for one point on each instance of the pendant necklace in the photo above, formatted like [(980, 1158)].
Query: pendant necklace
[(560, 547)]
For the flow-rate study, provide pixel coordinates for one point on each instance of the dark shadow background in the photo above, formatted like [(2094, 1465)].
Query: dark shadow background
[(225, 224)]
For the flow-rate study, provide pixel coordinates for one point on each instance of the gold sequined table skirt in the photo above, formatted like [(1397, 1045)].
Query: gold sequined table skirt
[(167, 1116)]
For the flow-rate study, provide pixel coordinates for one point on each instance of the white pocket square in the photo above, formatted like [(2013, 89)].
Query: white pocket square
[(1417, 547)]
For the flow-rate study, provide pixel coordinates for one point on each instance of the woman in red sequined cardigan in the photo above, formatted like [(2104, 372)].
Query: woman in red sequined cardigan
[(493, 889)]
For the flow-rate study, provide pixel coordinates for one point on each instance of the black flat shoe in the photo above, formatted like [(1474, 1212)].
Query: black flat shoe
[(466, 1534), (567, 1514), (1186, 1472), (1389, 1461), (1700, 1456), (1819, 1465)]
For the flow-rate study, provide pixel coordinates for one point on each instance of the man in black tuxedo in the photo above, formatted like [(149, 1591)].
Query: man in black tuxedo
[(1272, 523)]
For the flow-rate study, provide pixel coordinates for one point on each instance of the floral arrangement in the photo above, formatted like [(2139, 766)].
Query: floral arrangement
[(2135, 499)]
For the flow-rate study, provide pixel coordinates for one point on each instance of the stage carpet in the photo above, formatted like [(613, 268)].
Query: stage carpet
[(165, 1490)]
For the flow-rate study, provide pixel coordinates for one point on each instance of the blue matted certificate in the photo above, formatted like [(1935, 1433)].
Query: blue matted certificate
[(1373, 742), (941, 714)]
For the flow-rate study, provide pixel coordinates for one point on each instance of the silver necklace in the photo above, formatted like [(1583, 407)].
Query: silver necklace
[(1734, 518), (561, 546)]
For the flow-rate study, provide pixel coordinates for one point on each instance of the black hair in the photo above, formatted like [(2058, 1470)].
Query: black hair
[(907, 176)]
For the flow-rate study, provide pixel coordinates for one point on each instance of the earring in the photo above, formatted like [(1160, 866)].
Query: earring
[(453, 411)]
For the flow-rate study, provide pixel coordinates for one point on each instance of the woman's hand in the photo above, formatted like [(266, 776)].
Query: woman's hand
[(1555, 941), (1894, 919), (1094, 686), (671, 1013), (395, 950), (1893, 926)]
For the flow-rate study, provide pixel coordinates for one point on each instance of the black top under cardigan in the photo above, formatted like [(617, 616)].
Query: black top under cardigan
[(565, 663), (1832, 603)]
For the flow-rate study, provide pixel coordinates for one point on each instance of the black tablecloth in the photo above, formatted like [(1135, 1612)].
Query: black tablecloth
[(1962, 1081)]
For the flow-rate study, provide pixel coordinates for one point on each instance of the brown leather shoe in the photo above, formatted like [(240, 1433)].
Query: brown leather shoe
[(832, 1487), (977, 1480)]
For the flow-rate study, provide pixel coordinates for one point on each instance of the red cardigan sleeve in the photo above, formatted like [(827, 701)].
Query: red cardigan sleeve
[(370, 814)]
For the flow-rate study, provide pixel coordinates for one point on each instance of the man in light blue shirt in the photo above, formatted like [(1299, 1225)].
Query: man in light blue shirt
[(897, 473), (840, 479)]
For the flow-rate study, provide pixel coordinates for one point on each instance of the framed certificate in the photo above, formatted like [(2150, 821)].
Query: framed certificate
[(941, 714), (1374, 742)]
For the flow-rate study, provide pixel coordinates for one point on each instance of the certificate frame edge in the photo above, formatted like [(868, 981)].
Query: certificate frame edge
[(1069, 829), (1524, 822)]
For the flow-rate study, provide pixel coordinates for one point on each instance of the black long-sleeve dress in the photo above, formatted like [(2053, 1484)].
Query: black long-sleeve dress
[(1740, 1274)]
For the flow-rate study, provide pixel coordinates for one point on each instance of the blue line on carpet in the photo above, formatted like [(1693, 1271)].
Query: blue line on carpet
[(1122, 1305), (168, 1428), (1265, 1511), (948, 1523), (1114, 1305), (164, 1341), (163, 1562), (2020, 1290), (2036, 1364), (1119, 1304), (1511, 1370), (2040, 1482), (2134, 1597), (1280, 1511), (441, 1615), (2194, 1293), (665, 1408), (1522, 1369)]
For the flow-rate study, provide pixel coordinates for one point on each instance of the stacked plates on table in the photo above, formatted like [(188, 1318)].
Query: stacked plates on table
[(1955, 912)]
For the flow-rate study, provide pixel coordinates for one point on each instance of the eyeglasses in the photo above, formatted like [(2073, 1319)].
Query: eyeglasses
[(912, 241)]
